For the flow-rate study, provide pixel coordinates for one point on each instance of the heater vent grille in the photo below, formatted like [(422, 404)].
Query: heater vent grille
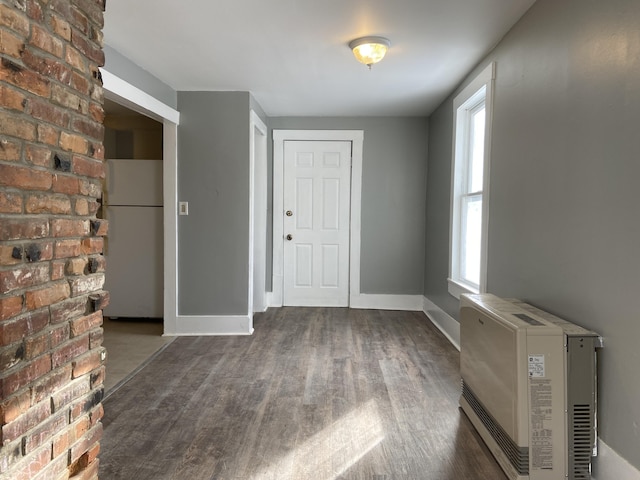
[(582, 441), (518, 456)]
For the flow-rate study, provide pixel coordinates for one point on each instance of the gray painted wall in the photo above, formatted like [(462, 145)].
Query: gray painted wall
[(393, 192), (127, 70), (563, 226), (438, 207), (213, 176)]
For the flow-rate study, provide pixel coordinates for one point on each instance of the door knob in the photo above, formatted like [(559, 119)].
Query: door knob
[(289, 213), (289, 237)]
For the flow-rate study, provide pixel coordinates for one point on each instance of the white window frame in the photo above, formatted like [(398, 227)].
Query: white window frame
[(470, 97)]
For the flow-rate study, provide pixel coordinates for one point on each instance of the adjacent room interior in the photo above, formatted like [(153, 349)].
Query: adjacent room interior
[(132, 203)]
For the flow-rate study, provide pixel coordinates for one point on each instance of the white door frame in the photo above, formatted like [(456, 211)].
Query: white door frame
[(257, 215), (356, 137)]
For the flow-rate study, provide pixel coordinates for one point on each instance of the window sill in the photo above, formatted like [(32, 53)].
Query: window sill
[(456, 288)]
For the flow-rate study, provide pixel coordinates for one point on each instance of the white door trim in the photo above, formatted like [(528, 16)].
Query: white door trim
[(132, 97), (279, 137), (257, 215)]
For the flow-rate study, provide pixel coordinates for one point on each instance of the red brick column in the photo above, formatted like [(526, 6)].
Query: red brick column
[(51, 263)]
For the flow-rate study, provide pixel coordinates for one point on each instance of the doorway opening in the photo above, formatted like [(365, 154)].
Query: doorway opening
[(133, 205)]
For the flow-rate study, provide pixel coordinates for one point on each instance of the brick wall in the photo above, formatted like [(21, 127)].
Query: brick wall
[(51, 263)]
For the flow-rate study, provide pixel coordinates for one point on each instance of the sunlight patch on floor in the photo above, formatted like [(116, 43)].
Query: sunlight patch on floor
[(332, 451)]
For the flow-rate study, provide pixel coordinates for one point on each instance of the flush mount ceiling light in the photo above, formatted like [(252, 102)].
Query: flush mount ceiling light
[(369, 50)]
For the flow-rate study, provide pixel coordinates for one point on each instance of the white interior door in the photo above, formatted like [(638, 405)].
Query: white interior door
[(317, 196)]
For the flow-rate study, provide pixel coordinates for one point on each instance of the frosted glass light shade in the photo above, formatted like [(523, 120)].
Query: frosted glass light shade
[(369, 50)]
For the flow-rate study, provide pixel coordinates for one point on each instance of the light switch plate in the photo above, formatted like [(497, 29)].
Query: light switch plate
[(183, 208)]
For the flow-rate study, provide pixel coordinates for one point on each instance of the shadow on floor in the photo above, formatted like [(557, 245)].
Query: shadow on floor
[(130, 342)]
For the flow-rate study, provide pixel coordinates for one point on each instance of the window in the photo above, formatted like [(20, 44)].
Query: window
[(470, 181)]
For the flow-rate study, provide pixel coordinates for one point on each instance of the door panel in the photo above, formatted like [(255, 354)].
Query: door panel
[(303, 265), (330, 265), (304, 204), (331, 204), (317, 188)]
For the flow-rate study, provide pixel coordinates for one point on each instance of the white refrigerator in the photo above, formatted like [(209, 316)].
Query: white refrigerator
[(132, 204)]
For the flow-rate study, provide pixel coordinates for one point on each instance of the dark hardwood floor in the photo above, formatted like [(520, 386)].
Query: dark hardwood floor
[(314, 393)]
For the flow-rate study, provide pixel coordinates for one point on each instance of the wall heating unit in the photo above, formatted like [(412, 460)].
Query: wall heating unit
[(529, 387)]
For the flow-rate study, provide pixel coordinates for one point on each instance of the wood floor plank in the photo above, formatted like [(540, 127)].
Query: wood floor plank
[(314, 393)]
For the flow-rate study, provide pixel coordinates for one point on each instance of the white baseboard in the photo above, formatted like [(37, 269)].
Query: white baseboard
[(186, 325), (408, 303), (444, 322), (608, 465), (264, 307), (275, 296), (270, 301)]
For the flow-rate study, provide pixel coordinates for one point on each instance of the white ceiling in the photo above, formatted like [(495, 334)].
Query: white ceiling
[(292, 55)]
